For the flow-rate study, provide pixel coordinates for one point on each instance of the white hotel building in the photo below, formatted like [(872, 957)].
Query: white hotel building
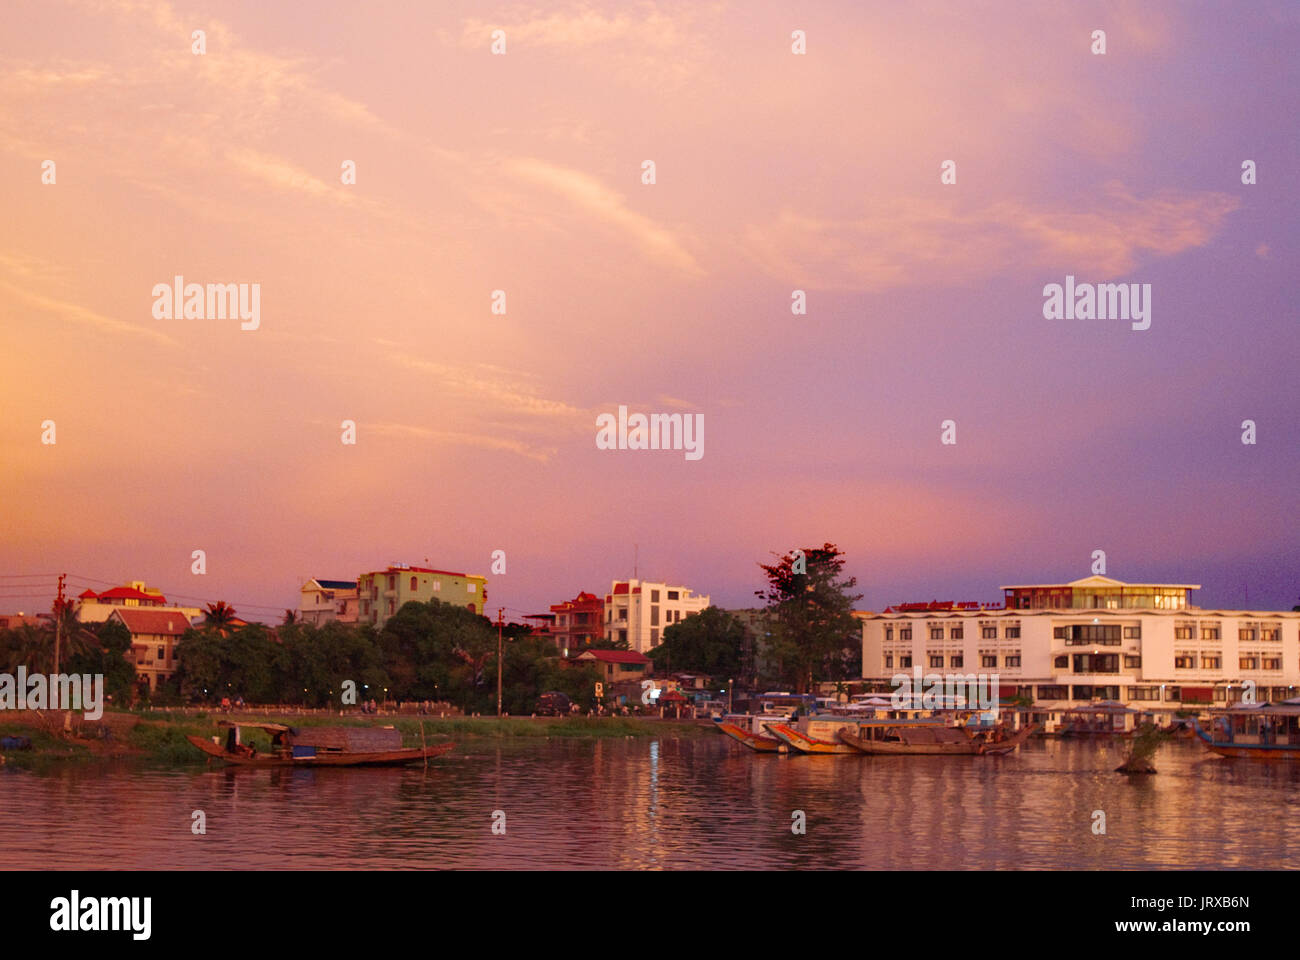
[(1068, 644), (638, 611)]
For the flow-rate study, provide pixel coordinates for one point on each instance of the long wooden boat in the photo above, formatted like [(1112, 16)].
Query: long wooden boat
[(889, 739), (317, 747), (802, 742), (1264, 731), (744, 730)]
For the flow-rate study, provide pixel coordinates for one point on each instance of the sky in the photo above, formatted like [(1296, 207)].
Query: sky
[(523, 172)]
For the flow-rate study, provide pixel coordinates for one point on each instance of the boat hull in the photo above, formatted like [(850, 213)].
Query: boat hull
[(968, 748), (802, 743), (755, 741), (1268, 752), (384, 758)]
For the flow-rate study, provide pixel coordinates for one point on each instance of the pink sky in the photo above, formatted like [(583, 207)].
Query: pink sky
[(522, 172)]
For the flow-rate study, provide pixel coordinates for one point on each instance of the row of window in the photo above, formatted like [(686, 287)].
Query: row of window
[(957, 631), (956, 660), (1268, 632)]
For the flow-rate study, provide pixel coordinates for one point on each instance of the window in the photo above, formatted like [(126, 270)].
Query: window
[(1131, 660), (609, 615), (1132, 633), (889, 634), (1061, 663), (1246, 633), (904, 633), (392, 606), (889, 661), (437, 586), (1248, 663), (1144, 693), (622, 614), (161, 653), (1058, 633), (471, 588), (1211, 661), (654, 616), (1270, 632), (392, 581), (936, 660), (1013, 633), (1052, 692), (956, 660), (989, 633), (1013, 660), (1184, 660), (415, 584), (1088, 634), (1270, 663), (1096, 663), (654, 637), (672, 595), (958, 632), (1209, 631), (1183, 631), (904, 660), (936, 633), (654, 596), (989, 660), (622, 636)]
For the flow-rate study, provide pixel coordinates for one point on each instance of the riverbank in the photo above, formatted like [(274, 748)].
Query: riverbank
[(160, 737)]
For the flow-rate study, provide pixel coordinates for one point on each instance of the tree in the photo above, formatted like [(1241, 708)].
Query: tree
[(811, 612), (219, 616), (710, 642), (290, 618)]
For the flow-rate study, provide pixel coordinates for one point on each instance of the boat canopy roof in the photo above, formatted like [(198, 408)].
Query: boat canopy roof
[(268, 727), (1287, 708)]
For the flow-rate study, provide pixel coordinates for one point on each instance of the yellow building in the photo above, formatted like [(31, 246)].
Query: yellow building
[(381, 593)]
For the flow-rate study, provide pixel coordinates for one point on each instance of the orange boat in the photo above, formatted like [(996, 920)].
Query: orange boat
[(751, 731), (813, 739), (317, 747)]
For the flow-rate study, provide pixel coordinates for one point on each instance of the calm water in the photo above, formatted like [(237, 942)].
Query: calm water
[(643, 804)]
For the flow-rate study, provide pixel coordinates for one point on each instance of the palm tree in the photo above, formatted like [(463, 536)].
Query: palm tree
[(290, 618), (219, 615)]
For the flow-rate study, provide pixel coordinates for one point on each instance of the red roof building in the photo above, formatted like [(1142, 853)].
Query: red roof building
[(578, 622), (154, 634)]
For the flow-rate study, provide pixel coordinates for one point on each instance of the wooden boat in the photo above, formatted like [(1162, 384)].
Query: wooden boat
[(932, 740), (317, 747), (803, 742), (1265, 731), (751, 731)]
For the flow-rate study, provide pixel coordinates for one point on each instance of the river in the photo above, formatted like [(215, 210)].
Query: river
[(649, 804)]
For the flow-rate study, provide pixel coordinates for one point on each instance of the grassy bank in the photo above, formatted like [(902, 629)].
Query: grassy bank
[(161, 737)]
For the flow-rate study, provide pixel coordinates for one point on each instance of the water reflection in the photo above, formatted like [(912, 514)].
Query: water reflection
[(644, 805)]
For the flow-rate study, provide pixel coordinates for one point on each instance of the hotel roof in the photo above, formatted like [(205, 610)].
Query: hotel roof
[(1101, 582), (164, 622)]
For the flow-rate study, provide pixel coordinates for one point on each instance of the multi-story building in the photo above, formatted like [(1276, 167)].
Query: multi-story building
[(578, 622), (381, 593), (1093, 639), (326, 600), (95, 607), (154, 634), (637, 611)]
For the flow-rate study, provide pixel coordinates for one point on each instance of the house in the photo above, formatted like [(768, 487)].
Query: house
[(616, 665), (95, 607), (577, 622), (637, 611), (381, 593), (326, 600), (154, 634)]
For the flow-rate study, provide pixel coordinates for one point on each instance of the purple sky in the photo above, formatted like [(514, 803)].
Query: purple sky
[(775, 172)]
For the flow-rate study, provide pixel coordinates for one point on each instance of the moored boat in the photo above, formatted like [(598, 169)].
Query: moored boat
[(886, 737), (751, 731), (316, 746), (1264, 731)]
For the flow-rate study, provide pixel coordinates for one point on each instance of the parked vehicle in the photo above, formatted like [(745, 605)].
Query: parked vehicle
[(553, 703)]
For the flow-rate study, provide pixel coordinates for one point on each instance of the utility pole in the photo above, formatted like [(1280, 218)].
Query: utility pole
[(500, 612), (58, 622)]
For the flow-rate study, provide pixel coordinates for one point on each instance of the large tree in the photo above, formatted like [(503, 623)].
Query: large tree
[(810, 610), (710, 642)]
